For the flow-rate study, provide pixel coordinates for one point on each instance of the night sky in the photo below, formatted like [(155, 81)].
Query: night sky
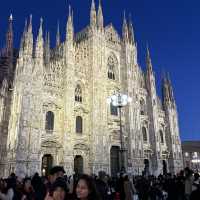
[(171, 28)]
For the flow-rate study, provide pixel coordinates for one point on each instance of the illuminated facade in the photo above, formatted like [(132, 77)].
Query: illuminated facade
[(58, 112)]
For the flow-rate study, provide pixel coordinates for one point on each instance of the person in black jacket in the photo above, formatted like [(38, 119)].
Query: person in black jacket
[(102, 186), (195, 195)]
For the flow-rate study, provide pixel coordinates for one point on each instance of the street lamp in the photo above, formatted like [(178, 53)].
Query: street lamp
[(120, 100)]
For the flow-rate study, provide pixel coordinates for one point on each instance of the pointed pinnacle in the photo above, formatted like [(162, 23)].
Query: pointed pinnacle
[(58, 34), (93, 5), (124, 16), (40, 29), (30, 24), (99, 4), (69, 10), (148, 53), (11, 17)]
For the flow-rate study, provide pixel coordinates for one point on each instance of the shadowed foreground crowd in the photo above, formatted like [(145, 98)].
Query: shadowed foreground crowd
[(57, 186)]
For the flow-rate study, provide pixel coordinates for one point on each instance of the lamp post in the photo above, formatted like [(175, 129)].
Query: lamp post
[(120, 100)]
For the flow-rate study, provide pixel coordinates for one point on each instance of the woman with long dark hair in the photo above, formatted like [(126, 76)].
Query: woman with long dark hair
[(86, 189), (28, 191), (8, 192)]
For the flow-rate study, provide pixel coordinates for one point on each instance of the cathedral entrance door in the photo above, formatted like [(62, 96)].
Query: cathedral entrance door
[(78, 164), (47, 162), (114, 160), (164, 167), (146, 167)]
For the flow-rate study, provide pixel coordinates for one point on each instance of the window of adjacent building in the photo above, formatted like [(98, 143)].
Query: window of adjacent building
[(144, 133), (49, 125), (78, 94), (79, 124), (113, 110), (161, 137), (195, 155)]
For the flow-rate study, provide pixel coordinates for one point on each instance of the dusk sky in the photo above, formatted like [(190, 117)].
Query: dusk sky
[(171, 28)]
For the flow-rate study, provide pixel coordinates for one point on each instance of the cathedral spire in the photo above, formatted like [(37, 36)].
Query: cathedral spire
[(58, 35), (70, 27), (148, 61), (125, 29), (93, 15), (30, 25), (131, 30), (100, 20), (23, 38), (165, 90), (47, 48), (171, 93), (9, 37), (39, 42), (26, 45), (9, 47)]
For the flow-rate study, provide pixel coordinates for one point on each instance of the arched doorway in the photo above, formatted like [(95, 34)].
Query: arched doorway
[(164, 167), (146, 167), (78, 164), (114, 160), (47, 163)]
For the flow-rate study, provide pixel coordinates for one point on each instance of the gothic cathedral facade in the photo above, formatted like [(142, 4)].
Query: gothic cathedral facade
[(54, 110)]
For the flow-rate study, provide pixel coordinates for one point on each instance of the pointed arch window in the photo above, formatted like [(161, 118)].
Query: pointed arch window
[(112, 67), (111, 73), (161, 137), (142, 107), (78, 94), (144, 133), (113, 110), (49, 125), (79, 124)]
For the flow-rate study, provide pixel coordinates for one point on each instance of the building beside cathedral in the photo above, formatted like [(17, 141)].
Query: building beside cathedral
[(54, 110)]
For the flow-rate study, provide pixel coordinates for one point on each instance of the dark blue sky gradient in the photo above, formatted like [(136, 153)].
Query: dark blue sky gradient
[(171, 28)]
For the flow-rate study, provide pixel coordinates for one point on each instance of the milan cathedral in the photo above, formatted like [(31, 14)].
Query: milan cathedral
[(54, 110)]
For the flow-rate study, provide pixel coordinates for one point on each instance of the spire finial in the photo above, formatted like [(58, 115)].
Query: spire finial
[(93, 14), (93, 4), (131, 31), (148, 59), (9, 37), (11, 17), (40, 29), (148, 52), (100, 17), (69, 9), (125, 29), (58, 34), (41, 21), (70, 28), (31, 18), (30, 24)]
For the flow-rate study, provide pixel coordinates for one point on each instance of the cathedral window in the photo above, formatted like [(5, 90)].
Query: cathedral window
[(113, 110), (144, 133), (112, 66), (161, 137), (79, 124), (49, 125), (78, 94), (111, 74), (142, 107)]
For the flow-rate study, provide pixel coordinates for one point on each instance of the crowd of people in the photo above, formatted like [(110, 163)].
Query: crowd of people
[(58, 186)]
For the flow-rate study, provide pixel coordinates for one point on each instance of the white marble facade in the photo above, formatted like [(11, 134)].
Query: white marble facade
[(75, 79)]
